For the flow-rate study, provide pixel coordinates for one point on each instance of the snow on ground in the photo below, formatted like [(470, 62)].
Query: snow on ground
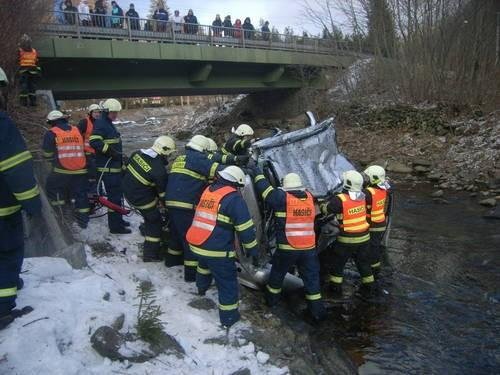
[(71, 305)]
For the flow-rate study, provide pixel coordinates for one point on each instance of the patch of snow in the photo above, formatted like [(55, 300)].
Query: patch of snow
[(71, 307), (262, 357)]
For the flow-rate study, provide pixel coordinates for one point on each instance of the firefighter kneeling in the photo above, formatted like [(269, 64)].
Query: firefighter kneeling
[(353, 240), (295, 213), (63, 144), (144, 188), (220, 213)]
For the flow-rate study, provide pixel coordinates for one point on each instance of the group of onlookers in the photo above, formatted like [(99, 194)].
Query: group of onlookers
[(160, 21)]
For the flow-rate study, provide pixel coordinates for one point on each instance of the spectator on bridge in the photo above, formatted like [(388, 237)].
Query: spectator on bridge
[(228, 25), (191, 23), (178, 21), (161, 17), (116, 15), (84, 12), (237, 29), (133, 18), (249, 29), (99, 14), (70, 12), (217, 26), (266, 33)]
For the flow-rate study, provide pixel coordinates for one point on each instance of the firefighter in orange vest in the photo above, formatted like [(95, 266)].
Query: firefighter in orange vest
[(378, 196), (353, 240), (294, 213), (29, 71), (63, 145), (220, 213), (86, 127)]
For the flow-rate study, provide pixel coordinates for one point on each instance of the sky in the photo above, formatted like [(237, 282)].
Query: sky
[(280, 13)]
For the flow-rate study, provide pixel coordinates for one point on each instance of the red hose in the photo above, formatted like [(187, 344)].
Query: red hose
[(115, 207)]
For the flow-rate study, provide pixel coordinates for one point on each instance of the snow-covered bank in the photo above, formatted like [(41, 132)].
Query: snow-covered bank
[(72, 304)]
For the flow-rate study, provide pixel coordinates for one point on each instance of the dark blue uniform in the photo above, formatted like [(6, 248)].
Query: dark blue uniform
[(143, 185), (18, 190), (188, 177), (286, 255), (236, 145), (106, 142), (63, 185), (217, 254)]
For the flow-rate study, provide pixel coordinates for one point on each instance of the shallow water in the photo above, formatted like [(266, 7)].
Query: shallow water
[(438, 308)]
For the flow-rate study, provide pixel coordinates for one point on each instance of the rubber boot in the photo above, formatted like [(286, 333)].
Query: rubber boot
[(20, 283), (12, 315), (151, 256), (173, 260)]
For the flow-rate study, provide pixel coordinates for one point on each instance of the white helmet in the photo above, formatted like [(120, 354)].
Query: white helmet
[(4, 81), (376, 174), (55, 115), (198, 143), (233, 174), (292, 181), (111, 105), (94, 107), (212, 146), (164, 145), (353, 181), (243, 130)]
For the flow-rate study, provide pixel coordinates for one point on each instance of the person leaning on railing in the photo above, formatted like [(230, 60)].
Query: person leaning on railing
[(116, 15), (178, 21), (190, 23), (228, 26), (99, 14), (84, 13), (133, 18), (249, 29), (70, 12)]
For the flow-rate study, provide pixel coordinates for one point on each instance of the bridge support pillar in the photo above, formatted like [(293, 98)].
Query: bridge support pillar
[(274, 75), (201, 74)]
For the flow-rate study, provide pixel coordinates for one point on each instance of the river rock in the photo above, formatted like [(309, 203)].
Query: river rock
[(434, 177), (398, 167), (168, 344), (421, 162), (489, 202), (243, 371), (437, 194), (420, 169), (107, 341), (493, 214)]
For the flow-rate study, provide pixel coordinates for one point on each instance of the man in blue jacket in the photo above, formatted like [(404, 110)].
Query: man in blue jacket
[(220, 214), (188, 177), (107, 143), (18, 191), (294, 212)]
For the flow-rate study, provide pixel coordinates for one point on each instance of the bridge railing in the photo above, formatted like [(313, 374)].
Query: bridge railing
[(95, 26)]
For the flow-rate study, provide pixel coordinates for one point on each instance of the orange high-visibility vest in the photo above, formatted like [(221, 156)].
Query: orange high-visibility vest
[(376, 212), (28, 59), (205, 217), (70, 151), (299, 225), (86, 136), (353, 218)]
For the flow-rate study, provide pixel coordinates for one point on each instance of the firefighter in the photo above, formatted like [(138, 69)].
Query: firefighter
[(229, 159), (188, 177), (221, 213), (378, 194), (29, 71), (144, 185), (294, 212), (107, 143), (18, 191), (240, 141), (63, 146), (86, 127), (353, 240)]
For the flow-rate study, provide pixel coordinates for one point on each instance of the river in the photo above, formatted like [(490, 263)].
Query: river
[(437, 311)]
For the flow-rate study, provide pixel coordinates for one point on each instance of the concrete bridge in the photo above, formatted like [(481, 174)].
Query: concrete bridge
[(82, 61)]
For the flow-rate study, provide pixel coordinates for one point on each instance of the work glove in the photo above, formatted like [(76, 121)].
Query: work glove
[(242, 159), (113, 154)]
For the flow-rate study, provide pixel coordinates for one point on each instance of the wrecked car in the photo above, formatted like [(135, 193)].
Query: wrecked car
[(312, 153)]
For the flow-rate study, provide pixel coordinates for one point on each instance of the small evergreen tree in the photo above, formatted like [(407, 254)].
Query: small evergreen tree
[(381, 28), (149, 326)]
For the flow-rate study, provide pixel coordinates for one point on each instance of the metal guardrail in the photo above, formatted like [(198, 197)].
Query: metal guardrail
[(95, 26)]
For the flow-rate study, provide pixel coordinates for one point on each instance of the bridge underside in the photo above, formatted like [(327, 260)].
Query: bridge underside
[(91, 78), (89, 68)]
